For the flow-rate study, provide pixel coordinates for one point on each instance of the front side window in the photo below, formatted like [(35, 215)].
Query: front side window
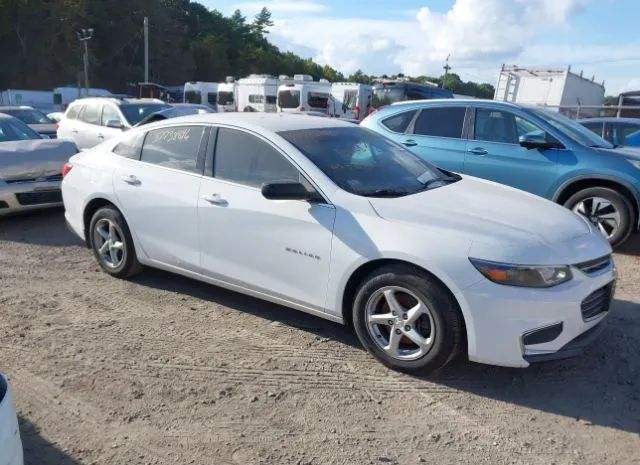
[(318, 100), (175, 147), (91, 113), (440, 122), (225, 98), (495, 126), (625, 134), (399, 122), (109, 113), (130, 146), (244, 159), (192, 96), (363, 162), (289, 98)]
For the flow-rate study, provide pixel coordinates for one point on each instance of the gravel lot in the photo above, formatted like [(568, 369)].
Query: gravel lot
[(165, 370)]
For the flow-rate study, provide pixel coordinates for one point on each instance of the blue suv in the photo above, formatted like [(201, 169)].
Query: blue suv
[(530, 148)]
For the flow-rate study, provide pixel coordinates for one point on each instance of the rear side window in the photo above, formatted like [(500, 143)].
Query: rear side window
[(72, 112), (175, 147), (245, 159), (440, 122), (130, 146), (399, 123), (91, 113)]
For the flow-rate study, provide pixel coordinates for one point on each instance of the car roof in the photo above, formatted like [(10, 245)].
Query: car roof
[(610, 119), (274, 122), (117, 101)]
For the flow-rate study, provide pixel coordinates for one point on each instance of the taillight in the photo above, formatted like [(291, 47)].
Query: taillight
[(302, 109), (66, 168), (357, 111), (57, 125)]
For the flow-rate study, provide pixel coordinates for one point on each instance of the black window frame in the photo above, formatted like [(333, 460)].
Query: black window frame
[(464, 133), (202, 149)]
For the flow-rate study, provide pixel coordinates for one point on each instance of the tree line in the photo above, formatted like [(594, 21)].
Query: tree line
[(187, 41)]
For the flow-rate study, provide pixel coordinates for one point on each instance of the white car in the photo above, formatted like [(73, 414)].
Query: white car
[(10, 443), (338, 221)]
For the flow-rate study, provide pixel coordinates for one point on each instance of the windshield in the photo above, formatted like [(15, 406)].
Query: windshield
[(13, 129), (225, 98), (289, 98), (363, 162), (135, 112), (572, 129), (29, 116)]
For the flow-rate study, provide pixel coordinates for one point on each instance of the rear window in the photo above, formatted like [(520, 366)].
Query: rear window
[(289, 98), (13, 129), (440, 122), (225, 98), (318, 100), (399, 123)]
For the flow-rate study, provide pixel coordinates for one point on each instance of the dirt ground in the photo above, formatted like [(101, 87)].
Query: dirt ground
[(165, 370)]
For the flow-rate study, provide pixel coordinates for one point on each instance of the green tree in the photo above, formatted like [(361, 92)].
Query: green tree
[(262, 21)]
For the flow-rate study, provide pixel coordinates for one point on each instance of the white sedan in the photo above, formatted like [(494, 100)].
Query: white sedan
[(10, 444), (340, 222)]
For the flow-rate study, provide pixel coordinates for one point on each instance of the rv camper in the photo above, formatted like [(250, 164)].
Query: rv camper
[(258, 92), (350, 100), (201, 93), (304, 94), (227, 95)]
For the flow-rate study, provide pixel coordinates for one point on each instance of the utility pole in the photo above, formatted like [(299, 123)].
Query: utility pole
[(84, 36), (446, 68), (146, 49)]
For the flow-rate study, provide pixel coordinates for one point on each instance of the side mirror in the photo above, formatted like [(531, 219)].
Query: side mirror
[(114, 123), (534, 141), (288, 191)]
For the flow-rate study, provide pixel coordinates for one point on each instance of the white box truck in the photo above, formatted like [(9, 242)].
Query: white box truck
[(63, 96), (304, 94), (350, 100), (40, 99)]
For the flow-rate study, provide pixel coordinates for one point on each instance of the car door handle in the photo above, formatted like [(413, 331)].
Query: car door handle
[(214, 199), (75, 131), (131, 179), (410, 143), (100, 136), (478, 151)]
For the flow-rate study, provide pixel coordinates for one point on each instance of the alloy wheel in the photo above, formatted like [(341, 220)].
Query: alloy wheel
[(601, 212), (400, 323), (108, 241)]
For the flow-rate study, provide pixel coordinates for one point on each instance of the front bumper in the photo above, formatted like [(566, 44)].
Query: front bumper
[(10, 443), (501, 317), (25, 196)]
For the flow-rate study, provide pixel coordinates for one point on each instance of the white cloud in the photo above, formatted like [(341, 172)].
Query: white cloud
[(281, 7)]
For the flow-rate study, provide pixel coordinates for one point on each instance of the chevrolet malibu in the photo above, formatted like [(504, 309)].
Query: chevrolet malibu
[(340, 222), (10, 443)]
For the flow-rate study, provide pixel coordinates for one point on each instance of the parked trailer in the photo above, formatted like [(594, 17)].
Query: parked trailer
[(63, 96), (350, 100), (40, 99), (304, 94), (202, 93), (258, 92), (550, 87)]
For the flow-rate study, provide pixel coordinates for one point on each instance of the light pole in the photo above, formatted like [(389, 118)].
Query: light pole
[(84, 36)]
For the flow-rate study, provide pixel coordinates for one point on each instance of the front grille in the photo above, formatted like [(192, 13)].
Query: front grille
[(37, 198), (593, 266), (597, 302), (53, 177)]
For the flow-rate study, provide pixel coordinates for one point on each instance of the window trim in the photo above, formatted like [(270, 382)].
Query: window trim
[(199, 159), (216, 128), (463, 133)]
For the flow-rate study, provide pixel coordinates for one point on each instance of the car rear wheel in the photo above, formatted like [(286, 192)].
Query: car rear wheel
[(407, 320), (606, 209), (112, 244)]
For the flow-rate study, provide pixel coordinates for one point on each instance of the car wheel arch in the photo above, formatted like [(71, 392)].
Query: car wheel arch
[(365, 269), (89, 210), (572, 186)]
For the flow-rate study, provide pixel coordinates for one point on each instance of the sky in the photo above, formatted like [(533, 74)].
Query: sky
[(415, 37)]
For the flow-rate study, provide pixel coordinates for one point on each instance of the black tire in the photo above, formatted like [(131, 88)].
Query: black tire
[(617, 200), (447, 319), (129, 264)]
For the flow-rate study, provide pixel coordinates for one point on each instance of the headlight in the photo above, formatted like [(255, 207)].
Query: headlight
[(635, 163), (522, 275)]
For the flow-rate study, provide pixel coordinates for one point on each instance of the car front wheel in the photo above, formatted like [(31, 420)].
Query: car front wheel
[(112, 244), (606, 209), (407, 320)]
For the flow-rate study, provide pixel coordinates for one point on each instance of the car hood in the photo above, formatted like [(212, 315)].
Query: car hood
[(32, 159), (488, 213), (44, 128)]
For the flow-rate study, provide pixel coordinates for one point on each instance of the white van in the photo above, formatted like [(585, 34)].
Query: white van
[(39, 99), (63, 96), (350, 100), (227, 96), (258, 92), (304, 94), (202, 93)]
